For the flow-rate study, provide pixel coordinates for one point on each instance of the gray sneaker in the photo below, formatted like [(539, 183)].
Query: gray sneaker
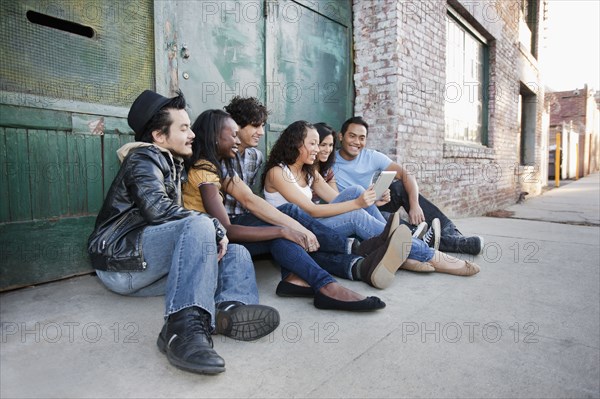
[(433, 235)]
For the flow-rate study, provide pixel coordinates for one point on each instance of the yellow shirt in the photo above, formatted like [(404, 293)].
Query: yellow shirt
[(191, 188)]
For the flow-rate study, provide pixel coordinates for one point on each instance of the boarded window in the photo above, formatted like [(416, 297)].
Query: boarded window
[(99, 51)]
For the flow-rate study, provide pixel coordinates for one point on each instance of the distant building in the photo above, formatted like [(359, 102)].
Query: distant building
[(576, 115)]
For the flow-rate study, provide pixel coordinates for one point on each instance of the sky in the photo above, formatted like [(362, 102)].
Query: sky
[(572, 45)]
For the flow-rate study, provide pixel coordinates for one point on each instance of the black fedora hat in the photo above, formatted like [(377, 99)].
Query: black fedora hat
[(145, 106)]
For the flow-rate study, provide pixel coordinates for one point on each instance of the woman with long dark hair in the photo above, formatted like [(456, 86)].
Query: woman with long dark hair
[(326, 156)]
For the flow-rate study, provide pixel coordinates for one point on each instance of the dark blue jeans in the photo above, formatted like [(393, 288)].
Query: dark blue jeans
[(315, 267), (451, 237)]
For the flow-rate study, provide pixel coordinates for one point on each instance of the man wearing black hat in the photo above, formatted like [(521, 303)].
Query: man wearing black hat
[(145, 243)]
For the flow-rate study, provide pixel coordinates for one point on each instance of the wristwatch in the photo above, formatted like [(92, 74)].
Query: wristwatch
[(219, 229)]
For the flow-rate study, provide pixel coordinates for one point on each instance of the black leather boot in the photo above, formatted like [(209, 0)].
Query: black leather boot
[(185, 339)]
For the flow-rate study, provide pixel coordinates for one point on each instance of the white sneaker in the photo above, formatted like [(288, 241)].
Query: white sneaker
[(481, 244), (420, 230), (433, 235)]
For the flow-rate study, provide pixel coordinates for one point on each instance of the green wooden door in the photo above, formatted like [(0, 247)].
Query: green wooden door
[(69, 71), (308, 63), (293, 55)]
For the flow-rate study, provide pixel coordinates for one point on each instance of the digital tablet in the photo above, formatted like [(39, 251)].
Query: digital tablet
[(383, 182)]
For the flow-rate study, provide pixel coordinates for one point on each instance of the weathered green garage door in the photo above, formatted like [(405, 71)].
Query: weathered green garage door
[(293, 55), (69, 71), (308, 63)]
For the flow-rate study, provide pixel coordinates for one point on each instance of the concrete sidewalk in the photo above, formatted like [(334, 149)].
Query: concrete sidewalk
[(526, 326)]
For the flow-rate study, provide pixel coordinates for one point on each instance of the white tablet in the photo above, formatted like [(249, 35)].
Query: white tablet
[(383, 182)]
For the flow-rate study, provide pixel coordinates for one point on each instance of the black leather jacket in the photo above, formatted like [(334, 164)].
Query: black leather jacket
[(146, 191)]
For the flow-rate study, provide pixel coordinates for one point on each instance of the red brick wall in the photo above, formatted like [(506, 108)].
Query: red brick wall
[(568, 106)]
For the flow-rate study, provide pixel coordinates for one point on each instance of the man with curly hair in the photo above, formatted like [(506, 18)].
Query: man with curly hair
[(250, 116)]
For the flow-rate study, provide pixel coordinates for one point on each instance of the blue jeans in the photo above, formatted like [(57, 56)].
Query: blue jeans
[(314, 267), (332, 254), (181, 263), (420, 251), (362, 223), (367, 223)]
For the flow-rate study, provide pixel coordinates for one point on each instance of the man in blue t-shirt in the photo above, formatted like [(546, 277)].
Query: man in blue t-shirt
[(356, 165)]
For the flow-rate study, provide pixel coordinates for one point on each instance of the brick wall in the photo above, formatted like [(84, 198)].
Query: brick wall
[(569, 106), (400, 78)]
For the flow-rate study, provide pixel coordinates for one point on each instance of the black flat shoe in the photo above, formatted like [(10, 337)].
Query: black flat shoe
[(292, 290), (369, 303)]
